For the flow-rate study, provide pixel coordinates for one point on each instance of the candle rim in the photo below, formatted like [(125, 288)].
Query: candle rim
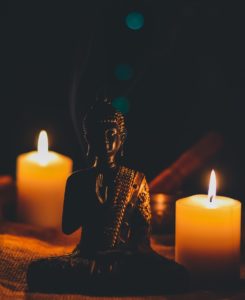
[(232, 202), (30, 157)]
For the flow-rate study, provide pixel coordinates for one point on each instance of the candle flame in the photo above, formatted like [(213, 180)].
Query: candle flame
[(42, 147), (212, 187)]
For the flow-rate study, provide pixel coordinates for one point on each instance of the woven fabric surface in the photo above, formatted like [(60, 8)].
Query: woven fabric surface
[(16, 254), (19, 245)]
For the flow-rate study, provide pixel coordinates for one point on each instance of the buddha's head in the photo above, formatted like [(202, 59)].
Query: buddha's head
[(104, 130)]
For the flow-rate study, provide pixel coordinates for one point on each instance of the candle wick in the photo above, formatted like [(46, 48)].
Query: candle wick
[(211, 198)]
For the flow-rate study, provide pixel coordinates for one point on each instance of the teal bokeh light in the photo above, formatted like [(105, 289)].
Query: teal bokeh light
[(121, 104), (123, 72), (135, 20)]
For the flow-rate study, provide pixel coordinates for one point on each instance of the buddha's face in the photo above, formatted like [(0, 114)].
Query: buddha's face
[(106, 141)]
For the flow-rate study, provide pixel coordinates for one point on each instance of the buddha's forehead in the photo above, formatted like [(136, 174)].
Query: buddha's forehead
[(103, 116)]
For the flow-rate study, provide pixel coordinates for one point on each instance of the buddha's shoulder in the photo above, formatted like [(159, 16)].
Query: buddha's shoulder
[(127, 169)]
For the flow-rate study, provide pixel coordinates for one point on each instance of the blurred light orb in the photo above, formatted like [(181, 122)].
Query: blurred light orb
[(123, 72), (121, 104), (135, 20)]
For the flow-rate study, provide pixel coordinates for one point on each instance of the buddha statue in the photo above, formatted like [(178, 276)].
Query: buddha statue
[(111, 203)]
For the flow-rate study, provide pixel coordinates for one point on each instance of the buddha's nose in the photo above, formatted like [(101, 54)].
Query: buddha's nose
[(108, 145)]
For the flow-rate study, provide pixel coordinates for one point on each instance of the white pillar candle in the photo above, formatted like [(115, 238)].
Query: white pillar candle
[(208, 229), (41, 179)]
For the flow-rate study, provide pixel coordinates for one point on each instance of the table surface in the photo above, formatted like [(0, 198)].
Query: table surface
[(20, 243)]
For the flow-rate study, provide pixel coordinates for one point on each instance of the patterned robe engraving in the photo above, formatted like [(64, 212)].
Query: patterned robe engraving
[(144, 201)]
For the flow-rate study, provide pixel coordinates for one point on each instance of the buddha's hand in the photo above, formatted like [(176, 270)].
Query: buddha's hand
[(112, 254), (108, 262)]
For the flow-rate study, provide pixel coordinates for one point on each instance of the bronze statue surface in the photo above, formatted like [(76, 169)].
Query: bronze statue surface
[(111, 203)]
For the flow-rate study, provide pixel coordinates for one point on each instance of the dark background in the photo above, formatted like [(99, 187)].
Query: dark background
[(188, 63)]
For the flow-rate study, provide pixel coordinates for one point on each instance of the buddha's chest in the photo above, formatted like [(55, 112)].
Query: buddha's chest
[(97, 213)]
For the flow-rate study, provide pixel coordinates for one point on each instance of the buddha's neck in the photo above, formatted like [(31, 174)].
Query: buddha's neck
[(105, 166)]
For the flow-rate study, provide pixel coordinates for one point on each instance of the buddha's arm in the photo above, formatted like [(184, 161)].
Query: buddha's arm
[(72, 210), (142, 218)]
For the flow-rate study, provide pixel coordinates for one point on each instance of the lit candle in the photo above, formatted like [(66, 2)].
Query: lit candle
[(208, 229), (41, 179)]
